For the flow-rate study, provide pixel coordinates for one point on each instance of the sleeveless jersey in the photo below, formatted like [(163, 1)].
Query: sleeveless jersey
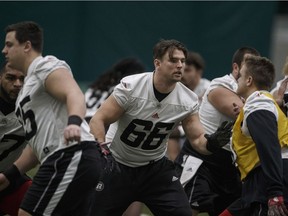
[(243, 144), (12, 139), (44, 117), (210, 117), (143, 130), (202, 87)]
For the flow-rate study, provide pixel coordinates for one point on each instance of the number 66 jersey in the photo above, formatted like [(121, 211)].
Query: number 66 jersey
[(140, 135)]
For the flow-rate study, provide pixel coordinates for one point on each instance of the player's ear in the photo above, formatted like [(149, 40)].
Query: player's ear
[(27, 46), (157, 63)]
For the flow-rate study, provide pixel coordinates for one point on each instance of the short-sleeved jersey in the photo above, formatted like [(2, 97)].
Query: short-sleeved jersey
[(12, 139), (44, 117), (242, 142), (144, 128), (94, 98)]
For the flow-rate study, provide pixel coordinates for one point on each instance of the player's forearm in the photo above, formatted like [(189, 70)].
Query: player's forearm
[(97, 128), (200, 145), (76, 105), (27, 160)]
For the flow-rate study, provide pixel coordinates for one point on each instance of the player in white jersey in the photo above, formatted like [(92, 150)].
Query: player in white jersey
[(215, 182), (147, 107), (12, 141), (192, 79), (51, 107), (103, 86), (280, 92), (99, 91), (260, 142)]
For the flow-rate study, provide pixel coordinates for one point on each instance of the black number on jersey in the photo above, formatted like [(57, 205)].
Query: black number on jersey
[(27, 116), (15, 141), (141, 132)]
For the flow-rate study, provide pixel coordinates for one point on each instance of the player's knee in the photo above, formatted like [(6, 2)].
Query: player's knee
[(21, 212)]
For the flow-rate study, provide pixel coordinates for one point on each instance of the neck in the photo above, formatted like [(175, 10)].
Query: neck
[(250, 91), (162, 85), (29, 60)]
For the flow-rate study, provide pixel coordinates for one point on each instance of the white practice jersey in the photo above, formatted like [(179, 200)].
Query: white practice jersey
[(202, 87), (278, 85), (210, 117), (44, 118), (12, 140), (94, 98), (143, 130), (257, 101)]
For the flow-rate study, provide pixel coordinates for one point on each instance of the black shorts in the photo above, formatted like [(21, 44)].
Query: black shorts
[(211, 193), (155, 184), (65, 182)]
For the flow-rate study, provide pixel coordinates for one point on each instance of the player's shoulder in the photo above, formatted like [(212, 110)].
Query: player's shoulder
[(48, 63), (227, 81), (259, 100), (136, 80), (185, 94)]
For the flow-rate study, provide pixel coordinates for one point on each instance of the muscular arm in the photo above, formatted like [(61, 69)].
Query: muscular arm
[(263, 129), (225, 100), (195, 133), (61, 85), (109, 112), (24, 163), (27, 160)]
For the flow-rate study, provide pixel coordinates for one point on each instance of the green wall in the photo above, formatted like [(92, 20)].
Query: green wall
[(91, 36)]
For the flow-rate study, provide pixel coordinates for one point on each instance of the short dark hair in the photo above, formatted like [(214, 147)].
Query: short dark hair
[(28, 31), (238, 56), (262, 71), (120, 69), (169, 46), (194, 58)]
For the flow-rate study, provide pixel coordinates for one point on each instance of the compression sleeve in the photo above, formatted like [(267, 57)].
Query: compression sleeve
[(262, 125)]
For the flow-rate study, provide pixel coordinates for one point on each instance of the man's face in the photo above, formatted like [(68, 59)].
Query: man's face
[(11, 82), (242, 87), (172, 67), (13, 51), (191, 76)]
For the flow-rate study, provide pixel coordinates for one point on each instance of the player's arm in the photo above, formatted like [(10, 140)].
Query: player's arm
[(262, 125), (263, 128), (24, 163), (278, 95), (194, 132), (61, 85), (109, 112), (206, 143), (225, 101)]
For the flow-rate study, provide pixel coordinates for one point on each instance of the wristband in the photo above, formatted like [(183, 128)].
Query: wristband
[(74, 119), (12, 173)]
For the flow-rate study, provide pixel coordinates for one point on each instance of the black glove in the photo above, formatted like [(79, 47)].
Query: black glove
[(109, 164), (276, 207), (220, 138)]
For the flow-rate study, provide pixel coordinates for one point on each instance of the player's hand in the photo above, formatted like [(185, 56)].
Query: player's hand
[(220, 138), (4, 182), (110, 164), (72, 133), (276, 207)]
